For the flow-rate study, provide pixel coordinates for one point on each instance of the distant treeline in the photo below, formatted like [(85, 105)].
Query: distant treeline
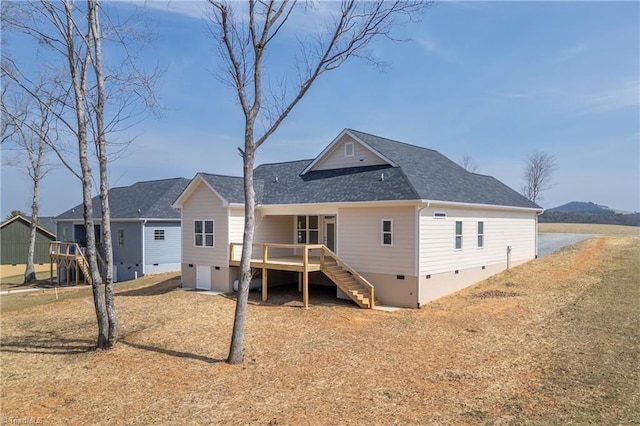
[(608, 219)]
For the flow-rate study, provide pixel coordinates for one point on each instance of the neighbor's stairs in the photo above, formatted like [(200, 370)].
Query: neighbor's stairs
[(84, 267), (348, 284)]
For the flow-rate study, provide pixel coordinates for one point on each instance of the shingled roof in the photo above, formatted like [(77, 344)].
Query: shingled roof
[(435, 177), (415, 173), (150, 199)]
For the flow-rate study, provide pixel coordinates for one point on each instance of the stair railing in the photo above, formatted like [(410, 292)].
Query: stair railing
[(362, 280)]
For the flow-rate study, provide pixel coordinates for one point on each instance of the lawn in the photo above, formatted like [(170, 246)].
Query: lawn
[(553, 341)]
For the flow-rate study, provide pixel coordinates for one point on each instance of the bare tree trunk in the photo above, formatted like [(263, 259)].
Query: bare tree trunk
[(30, 272), (78, 80), (236, 351), (101, 149)]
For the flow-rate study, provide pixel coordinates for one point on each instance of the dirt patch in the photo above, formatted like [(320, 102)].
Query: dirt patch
[(561, 351)]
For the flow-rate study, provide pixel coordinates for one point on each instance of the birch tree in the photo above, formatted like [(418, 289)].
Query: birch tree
[(244, 35), (71, 37), (28, 128), (537, 175)]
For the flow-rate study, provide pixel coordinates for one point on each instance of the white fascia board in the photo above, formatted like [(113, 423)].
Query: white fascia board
[(455, 204), (338, 138)]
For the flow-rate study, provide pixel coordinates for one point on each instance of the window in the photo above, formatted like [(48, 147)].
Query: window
[(120, 237), (307, 230), (158, 234), (387, 232), (64, 234), (439, 215), (203, 233), (348, 149), (458, 235), (480, 234)]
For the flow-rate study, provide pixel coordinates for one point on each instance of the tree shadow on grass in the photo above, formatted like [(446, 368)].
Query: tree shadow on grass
[(170, 352), (153, 290), (47, 345)]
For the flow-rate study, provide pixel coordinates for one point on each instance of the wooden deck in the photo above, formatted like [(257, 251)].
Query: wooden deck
[(302, 258)]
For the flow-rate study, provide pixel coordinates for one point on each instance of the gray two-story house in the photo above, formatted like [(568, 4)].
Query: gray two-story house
[(145, 229)]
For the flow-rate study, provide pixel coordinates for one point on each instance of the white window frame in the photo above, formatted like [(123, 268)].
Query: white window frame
[(307, 230), (458, 237), (346, 151), (480, 239), (204, 234), (383, 232)]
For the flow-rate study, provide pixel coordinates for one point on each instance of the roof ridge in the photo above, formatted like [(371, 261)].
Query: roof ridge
[(285, 162), (393, 140), (218, 175)]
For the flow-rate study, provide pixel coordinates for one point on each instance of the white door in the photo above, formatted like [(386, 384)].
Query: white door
[(203, 277)]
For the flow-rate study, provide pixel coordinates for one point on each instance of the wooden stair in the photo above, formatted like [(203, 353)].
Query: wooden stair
[(350, 282), (84, 267)]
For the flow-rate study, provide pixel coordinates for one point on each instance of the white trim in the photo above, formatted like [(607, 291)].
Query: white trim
[(455, 235), (383, 232), (333, 143), (191, 187), (457, 204), (478, 234), (204, 233), (346, 152)]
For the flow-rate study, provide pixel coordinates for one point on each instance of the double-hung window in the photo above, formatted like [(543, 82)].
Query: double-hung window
[(387, 232), (307, 230), (480, 234), (158, 234), (458, 235), (203, 233)]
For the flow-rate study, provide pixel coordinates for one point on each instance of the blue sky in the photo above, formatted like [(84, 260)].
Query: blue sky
[(492, 80)]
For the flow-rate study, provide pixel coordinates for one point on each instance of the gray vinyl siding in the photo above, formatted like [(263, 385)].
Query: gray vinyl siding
[(131, 251), (162, 251)]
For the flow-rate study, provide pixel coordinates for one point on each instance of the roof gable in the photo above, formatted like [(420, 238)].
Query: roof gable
[(338, 154), (27, 222), (228, 188)]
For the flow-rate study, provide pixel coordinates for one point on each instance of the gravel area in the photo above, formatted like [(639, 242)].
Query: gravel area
[(549, 243)]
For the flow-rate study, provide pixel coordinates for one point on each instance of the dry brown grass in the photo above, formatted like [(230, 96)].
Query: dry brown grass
[(588, 228), (552, 341)]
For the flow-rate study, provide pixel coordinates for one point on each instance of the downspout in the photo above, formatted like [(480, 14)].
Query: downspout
[(417, 247), (144, 223), (537, 216)]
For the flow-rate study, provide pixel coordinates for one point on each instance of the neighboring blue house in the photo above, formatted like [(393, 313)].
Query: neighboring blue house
[(145, 229)]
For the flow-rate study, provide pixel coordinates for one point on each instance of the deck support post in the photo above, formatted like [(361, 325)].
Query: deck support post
[(305, 277), (300, 282), (265, 258), (264, 284)]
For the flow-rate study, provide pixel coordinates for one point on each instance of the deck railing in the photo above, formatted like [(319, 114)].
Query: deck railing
[(235, 250)]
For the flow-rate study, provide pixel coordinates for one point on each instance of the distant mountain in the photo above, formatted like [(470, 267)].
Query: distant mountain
[(582, 207), (587, 212)]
